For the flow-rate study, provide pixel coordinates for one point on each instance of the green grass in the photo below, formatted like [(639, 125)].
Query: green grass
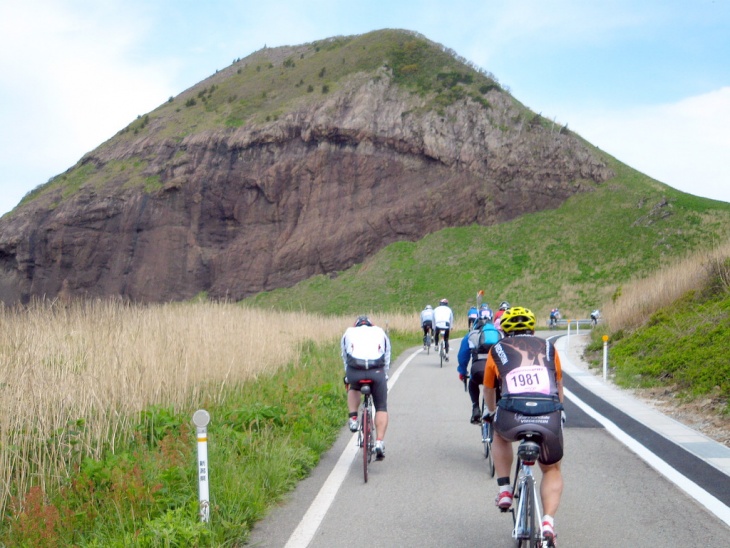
[(682, 347)]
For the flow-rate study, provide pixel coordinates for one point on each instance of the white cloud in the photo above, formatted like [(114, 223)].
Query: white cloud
[(68, 85), (682, 144)]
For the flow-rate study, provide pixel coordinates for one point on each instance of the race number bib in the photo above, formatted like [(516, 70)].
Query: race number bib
[(528, 379)]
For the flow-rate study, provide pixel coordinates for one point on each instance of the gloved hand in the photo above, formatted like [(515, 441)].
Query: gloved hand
[(562, 417), (488, 417), (462, 377)]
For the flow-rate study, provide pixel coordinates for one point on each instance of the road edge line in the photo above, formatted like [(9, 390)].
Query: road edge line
[(310, 522), (711, 503)]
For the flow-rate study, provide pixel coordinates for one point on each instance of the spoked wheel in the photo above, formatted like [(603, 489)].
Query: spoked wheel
[(366, 442), (441, 353), (530, 537), (428, 343)]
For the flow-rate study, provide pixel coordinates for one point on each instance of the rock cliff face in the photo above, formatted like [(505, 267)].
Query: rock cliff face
[(234, 211)]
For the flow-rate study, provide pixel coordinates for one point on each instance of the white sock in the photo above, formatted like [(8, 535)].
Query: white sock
[(548, 518)]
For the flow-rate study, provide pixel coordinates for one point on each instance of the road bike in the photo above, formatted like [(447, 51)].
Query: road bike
[(366, 431), (527, 531), (427, 342), (442, 351), (486, 432)]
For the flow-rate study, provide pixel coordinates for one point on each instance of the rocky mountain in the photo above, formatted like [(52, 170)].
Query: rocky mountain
[(291, 162)]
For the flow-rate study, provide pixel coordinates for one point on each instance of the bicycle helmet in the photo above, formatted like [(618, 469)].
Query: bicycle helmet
[(429, 307), (504, 305), (363, 320), (517, 319), (444, 302)]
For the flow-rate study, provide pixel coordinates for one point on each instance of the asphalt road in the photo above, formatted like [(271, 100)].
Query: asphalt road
[(432, 489)]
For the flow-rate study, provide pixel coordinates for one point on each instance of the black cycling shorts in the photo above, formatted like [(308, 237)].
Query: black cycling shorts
[(477, 370), (509, 424), (379, 386)]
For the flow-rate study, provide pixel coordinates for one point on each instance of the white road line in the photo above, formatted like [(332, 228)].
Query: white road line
[(714, 505), (303, 534)]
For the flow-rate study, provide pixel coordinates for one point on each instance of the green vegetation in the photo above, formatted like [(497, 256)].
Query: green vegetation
[(681, 347)]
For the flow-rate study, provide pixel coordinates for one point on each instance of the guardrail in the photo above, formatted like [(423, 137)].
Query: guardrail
[(578, 323)]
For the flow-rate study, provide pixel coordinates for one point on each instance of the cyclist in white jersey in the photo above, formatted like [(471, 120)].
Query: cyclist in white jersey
[(443, 320)]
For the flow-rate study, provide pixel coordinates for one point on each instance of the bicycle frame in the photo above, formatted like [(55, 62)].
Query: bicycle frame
[(366, 433), (486, 431), (527, 517)]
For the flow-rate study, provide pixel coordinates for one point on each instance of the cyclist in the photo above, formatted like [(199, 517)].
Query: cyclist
[(527, 370), (443, 319), (366, 355), (594, 317), (472, 315), (554, 317), (485, 312), (504, 305), (427, 321), (475, 348)]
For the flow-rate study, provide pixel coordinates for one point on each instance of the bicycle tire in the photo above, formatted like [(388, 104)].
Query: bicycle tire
[(366, 433), (441, 353), (486, 427), (525, 519)]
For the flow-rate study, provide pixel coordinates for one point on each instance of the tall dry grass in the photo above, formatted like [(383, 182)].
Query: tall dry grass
[(74, 376), (641, 298)]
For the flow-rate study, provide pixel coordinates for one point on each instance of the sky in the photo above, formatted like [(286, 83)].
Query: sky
[(648, 82)]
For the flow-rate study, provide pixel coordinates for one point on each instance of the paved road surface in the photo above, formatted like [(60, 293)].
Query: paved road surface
[(432, 490)]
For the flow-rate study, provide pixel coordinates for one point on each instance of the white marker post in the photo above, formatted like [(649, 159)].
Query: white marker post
[(605, 357), (201, 418)]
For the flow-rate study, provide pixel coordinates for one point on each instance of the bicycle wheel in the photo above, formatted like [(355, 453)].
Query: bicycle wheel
[(528, 530), (441, 353), (428, 343), (487, 442), (366, 434)]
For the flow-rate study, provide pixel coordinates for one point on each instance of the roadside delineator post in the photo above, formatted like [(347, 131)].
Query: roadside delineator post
[(201, 418), (605, 357)]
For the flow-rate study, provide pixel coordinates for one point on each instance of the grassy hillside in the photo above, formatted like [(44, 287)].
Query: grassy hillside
[(575, 257)]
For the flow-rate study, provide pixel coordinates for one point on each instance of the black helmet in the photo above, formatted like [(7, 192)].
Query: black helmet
[(363, 320)]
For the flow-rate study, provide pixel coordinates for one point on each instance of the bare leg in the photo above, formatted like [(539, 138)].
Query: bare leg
[(502, 451), (381, 424), (353, 400), (551, 487)]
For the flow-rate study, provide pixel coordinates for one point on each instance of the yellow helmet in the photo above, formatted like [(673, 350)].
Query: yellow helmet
[(517, 318)]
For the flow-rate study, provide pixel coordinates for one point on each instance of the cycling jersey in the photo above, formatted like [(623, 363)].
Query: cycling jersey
[(525, 366), (427, 316), (443, 317), (366, 347)]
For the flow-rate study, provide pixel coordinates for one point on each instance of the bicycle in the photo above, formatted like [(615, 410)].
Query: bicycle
[(486, 432), (442, 351), (366, 431), (527, 531), (427, 342)]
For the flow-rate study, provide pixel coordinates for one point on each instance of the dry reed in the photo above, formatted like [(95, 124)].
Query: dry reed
[(643, 297), (74, 376)]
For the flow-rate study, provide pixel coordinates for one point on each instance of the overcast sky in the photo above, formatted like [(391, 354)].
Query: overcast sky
[(647, 81)]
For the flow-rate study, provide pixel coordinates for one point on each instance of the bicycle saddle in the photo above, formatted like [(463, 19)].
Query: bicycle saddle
[(529, 449)]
